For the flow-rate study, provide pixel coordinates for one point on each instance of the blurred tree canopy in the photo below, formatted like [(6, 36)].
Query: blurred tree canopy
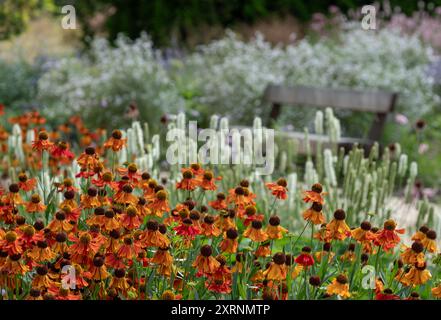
[(161, 18), (15, 14)]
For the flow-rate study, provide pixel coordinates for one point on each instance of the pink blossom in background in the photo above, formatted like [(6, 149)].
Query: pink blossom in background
[(423, 148), (420, 23), (425, 24), (429, 192), (401, 119), (318, 22), (334, 9), (420, 192)]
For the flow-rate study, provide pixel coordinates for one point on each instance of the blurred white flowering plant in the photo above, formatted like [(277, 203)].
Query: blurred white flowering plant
[(230, 75), (104, 83)]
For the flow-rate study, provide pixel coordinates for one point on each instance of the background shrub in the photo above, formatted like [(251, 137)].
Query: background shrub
[(18, 83), (161, 19), (104, 83)]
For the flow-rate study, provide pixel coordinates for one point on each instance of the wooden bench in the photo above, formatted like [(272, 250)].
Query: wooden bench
[(378, 102)]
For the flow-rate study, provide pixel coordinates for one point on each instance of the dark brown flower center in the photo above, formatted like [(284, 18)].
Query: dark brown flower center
[(316, 206), (117, 134), (42, 135), (206, 250), (195, 215), (42, 270), (317, 187), (60, 216), (390, 225), (340, 214), (306, 249), (187, 221), (109, 214), (282, 182), (120, 273), (115, 234), (366, 226), (92, 192), (69, 195), (256, 224), (161, 195), (279, 258), (274, 221), (208, 175), (90, 151), (98, 262), (39, 225), (314, 281), (162, 228), (187, 174), (232, 233), (250, 210), (61, 237), (42, 244), (152, 225), (208, 219), (417, 247), (244, 183), (431, 234), (22, 177), (342, 279), (220, 196), (424, 229), (239, 191), (14, 188), (85, 238), (11, 236)]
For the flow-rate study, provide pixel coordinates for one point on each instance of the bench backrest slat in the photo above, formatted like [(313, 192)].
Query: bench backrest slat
[(378, 102), (370, 101)]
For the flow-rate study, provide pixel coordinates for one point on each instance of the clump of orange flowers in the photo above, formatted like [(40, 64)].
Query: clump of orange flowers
[(124, 230)]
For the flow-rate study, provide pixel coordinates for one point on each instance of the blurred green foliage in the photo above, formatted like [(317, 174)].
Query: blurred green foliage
[(18, 83), (429, 158), (162, 18), (15, 14)]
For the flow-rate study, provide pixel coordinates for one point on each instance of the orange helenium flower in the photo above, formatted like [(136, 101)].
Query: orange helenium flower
[(315, 194), (277, 268), (339, 286), (229, 244), (337, 229), (205, 263), (188, 182), (116, 142), (314, 214), (274, 230), (429, 242), (278, 189), (388, 238), (42, 143), (35, 204), (255, 232), (417, 275)]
